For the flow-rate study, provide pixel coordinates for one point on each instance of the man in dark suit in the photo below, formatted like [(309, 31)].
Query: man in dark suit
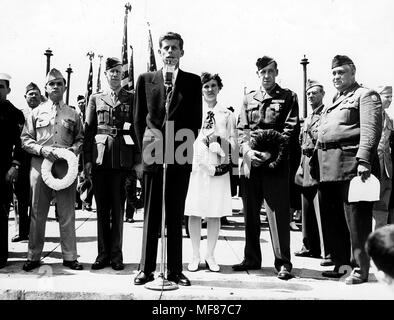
[(184, 120), (110, 152), (348, 137)]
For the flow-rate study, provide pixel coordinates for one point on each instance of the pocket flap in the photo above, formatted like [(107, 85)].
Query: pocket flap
[(42, 123)]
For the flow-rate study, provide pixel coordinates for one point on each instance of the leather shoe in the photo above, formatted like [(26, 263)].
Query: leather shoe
[(117, 265), (284, 274), (97, 265), (19, 238), (30, 265), (129, 220), (355, 277), (74, 265), (303, 253), (178, 278), (212, 265), (243, 266), (333, 273), (194, 265), (3, 264), (142, 278)]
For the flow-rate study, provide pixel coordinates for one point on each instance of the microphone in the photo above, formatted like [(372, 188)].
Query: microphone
[(169, 74)]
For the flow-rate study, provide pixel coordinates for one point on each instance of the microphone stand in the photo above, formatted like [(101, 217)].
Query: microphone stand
[(161, 283)]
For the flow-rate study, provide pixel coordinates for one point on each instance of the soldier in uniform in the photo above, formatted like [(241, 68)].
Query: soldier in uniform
[(22, 186), (51, 125), (10, 160), (311, 222), (271, 107), (348, 136), (110, 152)]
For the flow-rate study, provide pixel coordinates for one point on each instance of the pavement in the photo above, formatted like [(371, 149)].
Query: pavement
[(53, 281)]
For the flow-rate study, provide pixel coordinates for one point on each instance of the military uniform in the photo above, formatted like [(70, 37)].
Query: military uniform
[(311, 222), (110, 145), (58, 126), (349, 132), (276, 110), (11, 154)]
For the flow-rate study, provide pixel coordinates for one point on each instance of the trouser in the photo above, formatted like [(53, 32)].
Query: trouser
[(381, 213), (312, 234), (348, 225), (177, 181), (41, 198), (272, 187), (5, 198), (23, 192), (129, 193), (107, 186)]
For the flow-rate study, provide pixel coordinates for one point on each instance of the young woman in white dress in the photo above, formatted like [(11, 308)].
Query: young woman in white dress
[(209, 193)]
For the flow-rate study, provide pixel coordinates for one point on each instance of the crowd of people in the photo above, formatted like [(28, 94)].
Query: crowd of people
[(174, 137)]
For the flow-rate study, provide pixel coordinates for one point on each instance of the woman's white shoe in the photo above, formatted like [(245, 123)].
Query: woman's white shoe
[(193, 266), (211, 264)]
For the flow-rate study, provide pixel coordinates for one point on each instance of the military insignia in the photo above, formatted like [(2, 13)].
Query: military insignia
[(374, 98), (278, 101)]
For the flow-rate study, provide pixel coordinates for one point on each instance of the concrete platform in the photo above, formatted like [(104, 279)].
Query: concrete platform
[(52, 281)]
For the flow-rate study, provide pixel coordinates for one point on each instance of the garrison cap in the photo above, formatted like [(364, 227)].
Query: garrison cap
[(263, 62), (112, 62), (5, 76), (54, 74), (32, 86), (340, 61), (312, 83), (385, 89), (80, 97)]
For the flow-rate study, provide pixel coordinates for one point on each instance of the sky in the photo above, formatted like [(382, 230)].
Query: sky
[(222, 36)]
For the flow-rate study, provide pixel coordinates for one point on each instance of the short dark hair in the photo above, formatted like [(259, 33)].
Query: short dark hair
[(80, 97), (7, 82), (380, 247), (206, 76), (171, 36)]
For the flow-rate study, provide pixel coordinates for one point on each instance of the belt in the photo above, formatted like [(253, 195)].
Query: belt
[(113, 131), (336, 145)]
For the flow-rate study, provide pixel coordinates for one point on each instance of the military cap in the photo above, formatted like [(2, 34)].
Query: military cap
[(312, 83), (112, 62), (32, 86), (80, 97), (340, 61), (5, 76), (385, 89), (263, 62), (54, 74)]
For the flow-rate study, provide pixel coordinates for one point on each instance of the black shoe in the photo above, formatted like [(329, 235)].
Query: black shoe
[(129, 220), (224, 221), (142, 278), (333, 273), (88, 207), (284, 274), (74, 265), (302, 253), (19, 238), (243, 266), (178, 278), (97, 265), (30, 265), (3, 264), (117, 266)]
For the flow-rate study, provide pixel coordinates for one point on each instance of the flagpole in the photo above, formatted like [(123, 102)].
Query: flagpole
[(125, 68), (304, 62), (98, 88), (69, 71), (152, 61)]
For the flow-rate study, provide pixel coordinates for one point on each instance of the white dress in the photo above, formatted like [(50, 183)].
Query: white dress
[(209, 195)]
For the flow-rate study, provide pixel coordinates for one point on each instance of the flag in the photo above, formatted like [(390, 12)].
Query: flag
[(89, 88), (152, 61), (98, 88), (131, 70), (125, 63)]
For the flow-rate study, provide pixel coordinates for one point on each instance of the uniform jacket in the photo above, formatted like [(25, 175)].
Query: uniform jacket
[(48, 125), (349, 131), (108, 149), (11, 122), (276, 110), (308, 139), (384, 151), (185, 112)]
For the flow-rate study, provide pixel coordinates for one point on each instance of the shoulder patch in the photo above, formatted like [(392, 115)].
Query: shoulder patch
[(374, 98)]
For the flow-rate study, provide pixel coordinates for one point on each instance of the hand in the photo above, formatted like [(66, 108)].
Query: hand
[(264, 155), (364, 170), (138, 170), (254, 158), (11, 175), (88, 170), (47, 152)]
